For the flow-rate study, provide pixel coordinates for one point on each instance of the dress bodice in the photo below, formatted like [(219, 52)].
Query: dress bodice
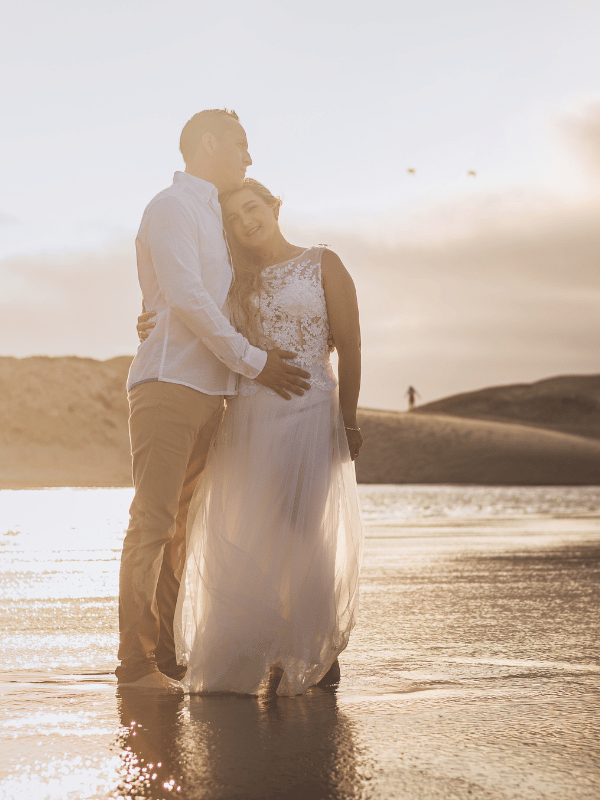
[(293, 316)]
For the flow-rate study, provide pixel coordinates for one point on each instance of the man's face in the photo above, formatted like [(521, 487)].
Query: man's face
[(231, 157)]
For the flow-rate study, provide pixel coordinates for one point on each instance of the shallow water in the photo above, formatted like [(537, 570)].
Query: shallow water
[(473, 671)]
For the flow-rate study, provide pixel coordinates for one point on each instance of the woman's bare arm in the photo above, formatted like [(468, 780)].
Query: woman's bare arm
[(342, 310)]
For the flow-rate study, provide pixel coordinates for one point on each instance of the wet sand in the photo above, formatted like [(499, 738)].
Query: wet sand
[(473, 673)]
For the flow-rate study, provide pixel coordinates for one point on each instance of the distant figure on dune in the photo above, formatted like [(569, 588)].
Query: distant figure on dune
[(412, 394)]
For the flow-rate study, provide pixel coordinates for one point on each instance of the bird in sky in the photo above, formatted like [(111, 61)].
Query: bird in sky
[(472, 173)]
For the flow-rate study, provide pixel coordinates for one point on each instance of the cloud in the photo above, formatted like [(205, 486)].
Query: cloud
[(490, 287), (584, 134), (80, 304), (504, 290), (7, 219), (513, 299)]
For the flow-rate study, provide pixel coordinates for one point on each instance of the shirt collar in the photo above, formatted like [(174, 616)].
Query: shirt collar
[(202, 188)]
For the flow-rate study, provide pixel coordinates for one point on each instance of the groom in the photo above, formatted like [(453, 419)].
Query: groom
[(177, 382)]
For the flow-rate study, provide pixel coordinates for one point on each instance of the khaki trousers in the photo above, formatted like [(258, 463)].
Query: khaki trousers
[(170, 427)]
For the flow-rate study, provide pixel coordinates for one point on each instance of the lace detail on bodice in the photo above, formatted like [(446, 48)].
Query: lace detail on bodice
[(293, 315)]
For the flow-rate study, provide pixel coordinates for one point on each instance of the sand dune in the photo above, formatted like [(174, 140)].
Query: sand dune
[(63, 422), (569, 403), (428, 448)]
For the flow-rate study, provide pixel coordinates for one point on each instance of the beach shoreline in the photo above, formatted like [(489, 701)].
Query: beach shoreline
[(471, 673)]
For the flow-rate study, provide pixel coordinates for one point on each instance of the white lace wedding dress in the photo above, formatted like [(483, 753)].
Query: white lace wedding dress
[(275, 533)]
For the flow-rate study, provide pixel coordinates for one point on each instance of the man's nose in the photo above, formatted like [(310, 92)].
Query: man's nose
[(247, 159)]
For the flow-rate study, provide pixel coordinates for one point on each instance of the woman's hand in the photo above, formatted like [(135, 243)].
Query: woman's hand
[(145, 324), (355, 441)]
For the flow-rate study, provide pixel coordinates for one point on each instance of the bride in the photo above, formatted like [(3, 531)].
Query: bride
[(270, 586)]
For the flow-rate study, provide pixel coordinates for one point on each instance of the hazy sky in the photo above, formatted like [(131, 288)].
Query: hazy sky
[(464, 281)]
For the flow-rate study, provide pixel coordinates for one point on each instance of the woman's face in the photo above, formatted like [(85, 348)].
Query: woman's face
[(252, 222)]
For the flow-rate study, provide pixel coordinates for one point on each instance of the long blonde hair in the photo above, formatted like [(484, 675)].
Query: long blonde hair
[(247, 279)]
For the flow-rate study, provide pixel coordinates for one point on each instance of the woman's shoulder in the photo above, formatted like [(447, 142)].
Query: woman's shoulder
[(330, 261), (315, 256)]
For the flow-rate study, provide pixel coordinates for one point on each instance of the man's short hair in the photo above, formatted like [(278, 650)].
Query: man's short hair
[(210, 121)]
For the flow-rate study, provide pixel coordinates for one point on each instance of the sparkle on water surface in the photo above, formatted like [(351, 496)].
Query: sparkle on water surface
[(472, 671)]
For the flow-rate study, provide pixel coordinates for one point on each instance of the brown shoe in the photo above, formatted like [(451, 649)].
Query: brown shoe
[(176, 673), (155, 681)]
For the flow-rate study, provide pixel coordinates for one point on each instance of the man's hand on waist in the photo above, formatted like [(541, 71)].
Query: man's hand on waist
[(145, 324), (281, 377)]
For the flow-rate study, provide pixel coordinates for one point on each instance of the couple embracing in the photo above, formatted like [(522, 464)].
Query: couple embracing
[(240, 564)]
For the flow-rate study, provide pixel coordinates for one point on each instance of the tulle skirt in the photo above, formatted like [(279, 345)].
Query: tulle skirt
[(274, 548)]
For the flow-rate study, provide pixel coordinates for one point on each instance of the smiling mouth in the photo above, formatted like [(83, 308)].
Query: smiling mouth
[(252, 231)]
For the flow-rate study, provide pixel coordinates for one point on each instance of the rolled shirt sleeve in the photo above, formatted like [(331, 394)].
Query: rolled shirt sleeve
[(172, 239)]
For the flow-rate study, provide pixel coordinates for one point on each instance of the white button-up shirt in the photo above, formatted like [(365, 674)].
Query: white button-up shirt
[(185, 275)]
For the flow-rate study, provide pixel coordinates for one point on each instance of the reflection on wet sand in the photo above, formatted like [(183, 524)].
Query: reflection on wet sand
[(472, 673), (236, 747), (149, 729)]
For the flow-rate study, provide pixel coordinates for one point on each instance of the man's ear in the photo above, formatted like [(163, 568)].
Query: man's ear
[(209, 143)]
